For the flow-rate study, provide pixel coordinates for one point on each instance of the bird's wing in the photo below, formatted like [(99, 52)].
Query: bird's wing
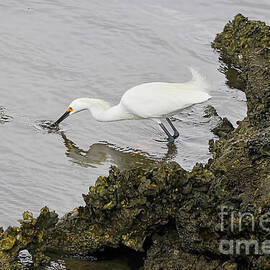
[(155, 100)]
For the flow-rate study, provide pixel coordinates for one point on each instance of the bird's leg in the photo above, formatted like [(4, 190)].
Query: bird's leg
[(175, 131), (170, 137)]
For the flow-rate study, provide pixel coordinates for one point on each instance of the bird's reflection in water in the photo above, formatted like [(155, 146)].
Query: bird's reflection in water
[(103, 152)]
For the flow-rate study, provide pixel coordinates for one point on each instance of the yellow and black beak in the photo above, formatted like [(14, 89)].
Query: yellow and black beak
[(64, 116)]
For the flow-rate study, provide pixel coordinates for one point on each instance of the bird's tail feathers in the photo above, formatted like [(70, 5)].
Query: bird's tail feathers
[(199, 80)]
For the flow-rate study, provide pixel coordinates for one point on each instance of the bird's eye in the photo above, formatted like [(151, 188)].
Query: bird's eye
[(69, 109)]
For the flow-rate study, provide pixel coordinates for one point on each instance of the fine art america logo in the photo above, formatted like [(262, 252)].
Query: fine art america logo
[(233, 221)]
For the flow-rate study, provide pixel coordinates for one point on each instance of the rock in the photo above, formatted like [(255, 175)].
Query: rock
[(223, 128), (244, 45), (210, 111), (8, 243), (259, 144)]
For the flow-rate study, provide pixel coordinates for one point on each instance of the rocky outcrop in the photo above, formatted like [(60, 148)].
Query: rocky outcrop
[(214, 217)]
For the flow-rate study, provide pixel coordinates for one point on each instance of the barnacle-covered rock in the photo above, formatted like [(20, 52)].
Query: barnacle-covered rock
[(30, 234), (240, 38), (223, 128), (244, 45)]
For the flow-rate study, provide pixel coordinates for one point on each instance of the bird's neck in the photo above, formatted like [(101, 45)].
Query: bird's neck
[(102, 111)]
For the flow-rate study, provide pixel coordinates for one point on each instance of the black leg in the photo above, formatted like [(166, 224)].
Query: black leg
[(170, 137), (175, 131)]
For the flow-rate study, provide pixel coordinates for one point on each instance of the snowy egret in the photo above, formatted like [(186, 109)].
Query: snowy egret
[(155, 101)]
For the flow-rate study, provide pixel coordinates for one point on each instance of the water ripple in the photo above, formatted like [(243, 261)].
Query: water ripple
[(4, 118), (48, 126)]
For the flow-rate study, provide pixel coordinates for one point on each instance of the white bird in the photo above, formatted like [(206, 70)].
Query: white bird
[(155, 101)]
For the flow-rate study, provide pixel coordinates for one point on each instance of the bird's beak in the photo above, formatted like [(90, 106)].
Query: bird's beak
[(64, 116)]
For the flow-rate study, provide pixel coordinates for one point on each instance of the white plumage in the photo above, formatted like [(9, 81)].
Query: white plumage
[(159, 99), (154, 100)]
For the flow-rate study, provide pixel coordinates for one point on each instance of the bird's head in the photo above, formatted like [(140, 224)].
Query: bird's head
[(75, 106)]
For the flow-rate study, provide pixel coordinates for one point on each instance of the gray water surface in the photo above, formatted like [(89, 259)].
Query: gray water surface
[(52, 52)]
